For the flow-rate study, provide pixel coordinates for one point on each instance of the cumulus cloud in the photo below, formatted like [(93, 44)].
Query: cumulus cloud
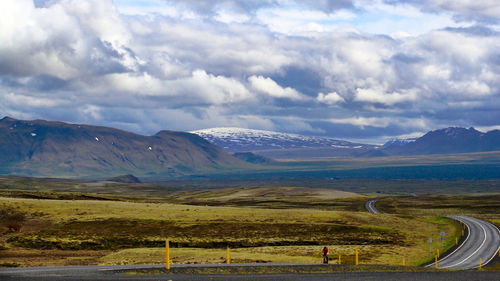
[(330, 98), (269, 87), (273, 64), (380, 95), (59, 41)]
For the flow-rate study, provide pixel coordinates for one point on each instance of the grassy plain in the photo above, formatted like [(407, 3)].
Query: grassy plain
[(167, 190), (263, 214), (263, 225), (484, 206)]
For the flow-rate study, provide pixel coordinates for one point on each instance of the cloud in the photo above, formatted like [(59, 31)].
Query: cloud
[(302, 22), (283, 65), (213, 89), (200, 88), (251, 6), (61, 40), (380, 95), (29, 101), (269, 87), (362, 121), (482, 11), (330, 98), (381, 122)]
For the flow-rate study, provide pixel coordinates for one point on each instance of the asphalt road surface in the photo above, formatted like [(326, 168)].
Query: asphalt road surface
[(370, 206), (483, 241), (98, 273)]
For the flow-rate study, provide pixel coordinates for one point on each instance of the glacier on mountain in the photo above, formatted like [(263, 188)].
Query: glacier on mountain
[(239, 139)]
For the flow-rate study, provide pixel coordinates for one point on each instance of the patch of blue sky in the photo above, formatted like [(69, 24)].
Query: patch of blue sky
[(394, 20), (142, 7), (138, 3)]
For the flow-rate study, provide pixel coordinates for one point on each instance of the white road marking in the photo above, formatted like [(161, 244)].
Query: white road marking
[(461, 245), (482, 244)]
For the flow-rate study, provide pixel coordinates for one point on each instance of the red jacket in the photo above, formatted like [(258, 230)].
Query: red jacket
[(325, 251)]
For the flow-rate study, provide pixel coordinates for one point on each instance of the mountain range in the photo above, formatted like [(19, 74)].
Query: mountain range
[(447, 141), (56, 149), (281, 145), (43, 148)]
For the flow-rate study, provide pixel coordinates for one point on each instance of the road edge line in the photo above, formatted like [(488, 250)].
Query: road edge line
[(461, 245), (482, 244), (492, 257)]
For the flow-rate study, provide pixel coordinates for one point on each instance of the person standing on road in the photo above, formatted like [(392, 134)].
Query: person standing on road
[(325, 252)]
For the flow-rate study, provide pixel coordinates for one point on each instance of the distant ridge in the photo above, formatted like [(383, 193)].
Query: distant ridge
[(280, 145), (398, 142), (57, 149), (126, 179), (448, 140), (253, 158)]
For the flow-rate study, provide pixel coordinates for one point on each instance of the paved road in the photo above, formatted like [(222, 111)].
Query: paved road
[(483, 241), (99, 273), (370, 207)]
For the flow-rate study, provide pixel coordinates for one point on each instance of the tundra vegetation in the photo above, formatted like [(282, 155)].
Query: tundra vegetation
[(259, 225)]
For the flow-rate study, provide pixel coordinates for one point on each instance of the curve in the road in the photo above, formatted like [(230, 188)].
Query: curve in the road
[(370, 207), (482, 242)]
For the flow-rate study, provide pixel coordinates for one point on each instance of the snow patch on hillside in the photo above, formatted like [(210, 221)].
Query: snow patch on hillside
[(399, 142), (239, 139)]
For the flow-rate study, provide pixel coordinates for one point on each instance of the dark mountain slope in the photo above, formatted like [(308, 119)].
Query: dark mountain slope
[(253, 158), (125, 179), (449, 140), (44, 148)]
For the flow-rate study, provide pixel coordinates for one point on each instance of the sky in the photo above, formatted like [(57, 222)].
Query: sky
[(348, 69)]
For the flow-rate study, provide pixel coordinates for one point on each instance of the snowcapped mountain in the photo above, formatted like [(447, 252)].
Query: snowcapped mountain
[(279, 145), (448, 140), (399, 142)]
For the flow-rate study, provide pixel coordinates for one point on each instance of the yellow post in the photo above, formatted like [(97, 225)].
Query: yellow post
[(436, 261), (456, 240), (479, 263), (437, 252), (340, 259), (228, 257), (167, 255), (356, 256), (404, 261)]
